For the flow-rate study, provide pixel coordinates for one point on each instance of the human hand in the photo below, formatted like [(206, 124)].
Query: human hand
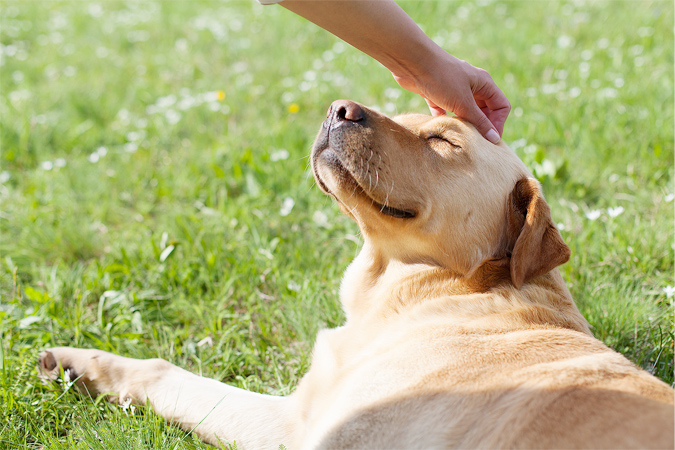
[(451, 84), (384, 31)]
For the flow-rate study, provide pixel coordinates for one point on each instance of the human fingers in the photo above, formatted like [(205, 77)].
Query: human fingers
[(436, 111), (477, 117), (492, 101), (466, 108)]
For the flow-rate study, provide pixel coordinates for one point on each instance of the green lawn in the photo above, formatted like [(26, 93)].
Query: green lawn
[(155, 198)]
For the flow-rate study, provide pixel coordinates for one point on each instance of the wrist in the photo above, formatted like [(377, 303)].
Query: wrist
[(421, 61)]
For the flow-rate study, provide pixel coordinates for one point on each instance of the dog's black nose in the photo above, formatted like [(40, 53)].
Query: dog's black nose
[(345, 110)]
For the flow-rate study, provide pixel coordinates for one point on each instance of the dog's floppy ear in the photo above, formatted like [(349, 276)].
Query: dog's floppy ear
[(536, 244)]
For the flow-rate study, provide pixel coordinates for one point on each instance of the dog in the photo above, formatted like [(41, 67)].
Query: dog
[(460, 331)]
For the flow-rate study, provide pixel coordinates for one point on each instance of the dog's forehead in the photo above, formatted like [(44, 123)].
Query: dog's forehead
[(412, 121), (419, 122)]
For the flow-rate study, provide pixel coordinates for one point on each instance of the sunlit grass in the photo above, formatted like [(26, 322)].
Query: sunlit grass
[(155, 198)]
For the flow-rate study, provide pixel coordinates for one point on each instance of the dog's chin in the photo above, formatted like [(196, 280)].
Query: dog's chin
[(347, 184)]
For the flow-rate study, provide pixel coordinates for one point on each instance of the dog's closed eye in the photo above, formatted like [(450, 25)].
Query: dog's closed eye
[(439, 138)]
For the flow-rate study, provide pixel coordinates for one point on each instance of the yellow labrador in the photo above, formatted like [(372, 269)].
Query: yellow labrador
[(460, 331)]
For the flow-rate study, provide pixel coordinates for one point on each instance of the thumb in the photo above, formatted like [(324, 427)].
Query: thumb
[(481, 122)]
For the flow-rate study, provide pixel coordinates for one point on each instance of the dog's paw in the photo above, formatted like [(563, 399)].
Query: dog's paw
[(87, 369)]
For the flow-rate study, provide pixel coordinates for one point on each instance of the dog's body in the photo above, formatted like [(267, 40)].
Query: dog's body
[(460, 331)]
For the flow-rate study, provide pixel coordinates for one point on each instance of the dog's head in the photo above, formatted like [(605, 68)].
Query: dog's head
[(434, 191)]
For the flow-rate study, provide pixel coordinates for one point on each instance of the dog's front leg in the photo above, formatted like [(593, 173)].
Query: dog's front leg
[(210, 409)]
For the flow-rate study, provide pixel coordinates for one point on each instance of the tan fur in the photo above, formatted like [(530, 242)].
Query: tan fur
[(460, 331)]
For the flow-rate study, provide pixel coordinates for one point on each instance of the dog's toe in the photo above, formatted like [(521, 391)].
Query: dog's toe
[(47, 361), (52, 360)]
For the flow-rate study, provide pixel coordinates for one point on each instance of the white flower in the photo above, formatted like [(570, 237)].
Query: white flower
[(165, 102), (95, 10), (593, 214), (309, 75), (339, 47), (669, 198), (134, 136), (94, 157), (279, 155), (636, 50), (126, 405), (328, 56), (518, 143), (552, 88), (211, 96), (669, 291), (564, 41), (102, 52), (172, 116), (67, 382), (613, 212), (287, 206), (392, 93), (545, 168), (603, 43), (537, 49), (320, 219), (47, 165), (130, 147), (187, 103), (4, 177)]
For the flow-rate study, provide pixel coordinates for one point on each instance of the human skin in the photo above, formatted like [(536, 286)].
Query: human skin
[(382, 30)]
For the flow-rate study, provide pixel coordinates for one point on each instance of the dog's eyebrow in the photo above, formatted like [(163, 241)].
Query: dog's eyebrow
[(442, 125)]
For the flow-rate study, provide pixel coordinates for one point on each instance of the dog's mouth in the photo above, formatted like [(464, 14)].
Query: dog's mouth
[(348, 179)]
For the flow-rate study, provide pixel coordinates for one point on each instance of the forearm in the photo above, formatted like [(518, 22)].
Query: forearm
[(380, 28)]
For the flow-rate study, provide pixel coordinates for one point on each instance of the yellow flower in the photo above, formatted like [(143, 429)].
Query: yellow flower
[(293, 108), (221, 96)]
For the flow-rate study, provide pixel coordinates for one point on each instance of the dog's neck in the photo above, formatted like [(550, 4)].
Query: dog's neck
[(376, 289)]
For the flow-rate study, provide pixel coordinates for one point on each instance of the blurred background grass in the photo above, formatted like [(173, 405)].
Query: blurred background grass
[(155, 198)]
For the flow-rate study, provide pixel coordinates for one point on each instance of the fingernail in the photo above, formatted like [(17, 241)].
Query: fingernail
[(492, 136)]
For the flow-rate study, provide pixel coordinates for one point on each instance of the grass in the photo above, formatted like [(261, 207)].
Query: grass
[(156, 201)]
